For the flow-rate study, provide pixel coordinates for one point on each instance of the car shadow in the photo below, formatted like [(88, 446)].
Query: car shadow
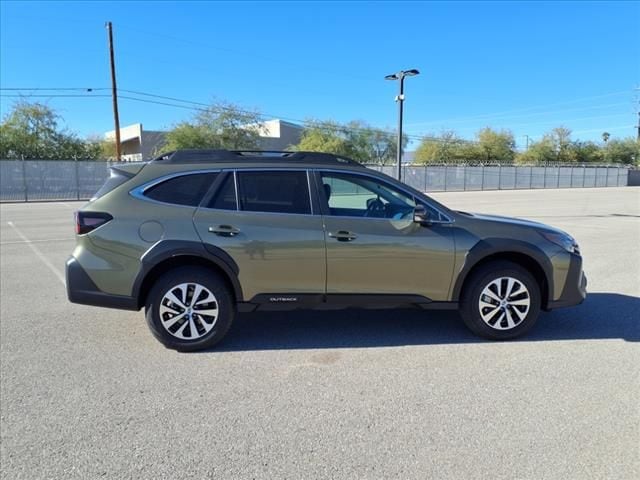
[(601, 316)]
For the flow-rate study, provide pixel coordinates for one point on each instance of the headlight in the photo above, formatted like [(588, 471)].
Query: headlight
[(563, 240)]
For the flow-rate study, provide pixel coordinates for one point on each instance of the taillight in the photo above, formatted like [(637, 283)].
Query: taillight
[(87, 221)]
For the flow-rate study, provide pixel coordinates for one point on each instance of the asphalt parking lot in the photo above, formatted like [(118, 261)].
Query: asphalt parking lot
[(88, 393)]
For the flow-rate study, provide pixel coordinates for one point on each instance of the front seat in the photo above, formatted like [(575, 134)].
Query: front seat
[(327, 191)]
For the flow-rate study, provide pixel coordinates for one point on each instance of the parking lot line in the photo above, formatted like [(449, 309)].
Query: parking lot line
[(44, 259), (46, 240)]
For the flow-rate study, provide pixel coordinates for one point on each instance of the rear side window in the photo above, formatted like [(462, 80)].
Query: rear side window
[(276, 192), (182, 190), (225, 197)]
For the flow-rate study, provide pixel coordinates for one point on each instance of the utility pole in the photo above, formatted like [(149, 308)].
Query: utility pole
[(114, 91), (527, 137)]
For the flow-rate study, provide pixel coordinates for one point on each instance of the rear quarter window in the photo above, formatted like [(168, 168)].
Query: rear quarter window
[(188, 189), (116, 178)]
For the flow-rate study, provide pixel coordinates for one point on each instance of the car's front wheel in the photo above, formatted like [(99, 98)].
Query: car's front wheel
[(501, 300), (189, 308)]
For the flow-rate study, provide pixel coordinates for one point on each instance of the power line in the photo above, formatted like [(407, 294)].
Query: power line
[(54, 95), (202, 107), (137, 92), (208, 108), (263, 116), (85, 89), (434, 122)]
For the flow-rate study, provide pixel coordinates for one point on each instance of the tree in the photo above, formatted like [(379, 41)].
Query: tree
[(356, 140), (562, 144), (372, 144), (626, 150), (542, 151), (588, 152), (32, 131), (325, 136), (104, 148), (555, 146), (107, 148), (220, 126), (489, 146), (496, 146), (446, 147)]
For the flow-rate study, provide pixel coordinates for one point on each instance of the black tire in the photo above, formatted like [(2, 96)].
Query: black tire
[(206, 278), (473, 288)]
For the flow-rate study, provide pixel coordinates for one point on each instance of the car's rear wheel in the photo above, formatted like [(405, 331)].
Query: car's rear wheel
[(501, 300), (189, 308)]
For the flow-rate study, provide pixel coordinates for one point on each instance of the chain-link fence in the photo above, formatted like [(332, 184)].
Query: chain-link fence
[(27, 180), (433, 178), (33, 180)]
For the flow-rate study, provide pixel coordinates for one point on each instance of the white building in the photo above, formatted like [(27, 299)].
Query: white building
[(139, 144), (279, 135)]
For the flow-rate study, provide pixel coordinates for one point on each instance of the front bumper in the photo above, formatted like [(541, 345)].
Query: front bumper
[(575, 286), (81, 289)]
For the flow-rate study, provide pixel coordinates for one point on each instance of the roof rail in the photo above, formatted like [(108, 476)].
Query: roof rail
[(224, 156)]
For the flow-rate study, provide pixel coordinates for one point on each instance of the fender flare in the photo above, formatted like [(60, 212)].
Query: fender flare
[(168, 249), (492, 246)]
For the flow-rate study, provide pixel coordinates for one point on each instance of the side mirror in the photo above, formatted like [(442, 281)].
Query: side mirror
[(420, 214)]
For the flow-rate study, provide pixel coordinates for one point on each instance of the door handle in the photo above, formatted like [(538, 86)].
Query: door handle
[(343, 236), (224, 230)]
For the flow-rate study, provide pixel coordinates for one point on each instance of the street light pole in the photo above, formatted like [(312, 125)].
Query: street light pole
[(400, 99)]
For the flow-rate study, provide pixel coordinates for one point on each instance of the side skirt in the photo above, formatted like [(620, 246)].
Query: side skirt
[(294, 301)]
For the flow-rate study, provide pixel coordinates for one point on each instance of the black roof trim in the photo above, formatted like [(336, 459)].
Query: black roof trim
[(253, 156)]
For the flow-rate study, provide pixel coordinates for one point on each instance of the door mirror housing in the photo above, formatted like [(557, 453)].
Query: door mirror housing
[(421, 215)]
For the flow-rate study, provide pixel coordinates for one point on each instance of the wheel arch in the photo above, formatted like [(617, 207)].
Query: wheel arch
[(526, 255), (165, 256)]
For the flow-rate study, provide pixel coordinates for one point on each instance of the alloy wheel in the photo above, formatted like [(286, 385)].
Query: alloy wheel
[(504, 303), (188, 311)]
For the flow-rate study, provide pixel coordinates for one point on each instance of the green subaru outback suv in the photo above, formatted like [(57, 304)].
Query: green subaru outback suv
[(196, 235)]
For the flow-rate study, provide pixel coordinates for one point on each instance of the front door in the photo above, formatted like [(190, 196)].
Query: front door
[(265, 221), (373, 245)]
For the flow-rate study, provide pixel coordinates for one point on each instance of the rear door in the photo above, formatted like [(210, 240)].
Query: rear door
[(268, 223)]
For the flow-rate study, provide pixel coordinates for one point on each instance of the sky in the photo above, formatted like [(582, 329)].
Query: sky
[(523, 66)]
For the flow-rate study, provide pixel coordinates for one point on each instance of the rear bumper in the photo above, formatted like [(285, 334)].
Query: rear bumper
[(575, 287), (81, 289)]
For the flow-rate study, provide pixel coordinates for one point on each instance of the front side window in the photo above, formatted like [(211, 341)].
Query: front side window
[(350, 195), (274, 192), (186, 189)]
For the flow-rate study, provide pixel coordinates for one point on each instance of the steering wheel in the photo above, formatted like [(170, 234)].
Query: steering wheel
[(375, 207)]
